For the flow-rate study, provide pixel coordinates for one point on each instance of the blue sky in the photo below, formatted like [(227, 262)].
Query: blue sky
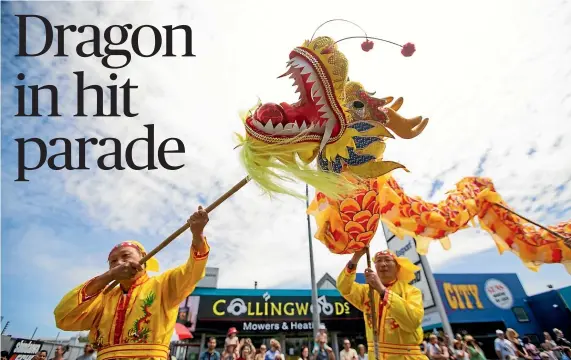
[(498, 99)]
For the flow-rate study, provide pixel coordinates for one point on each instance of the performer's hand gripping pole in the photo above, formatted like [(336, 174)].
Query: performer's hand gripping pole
[(183, 228), (374, 319)]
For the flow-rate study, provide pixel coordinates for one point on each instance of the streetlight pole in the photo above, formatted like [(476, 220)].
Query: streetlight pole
[(316, 310), (436, 296)]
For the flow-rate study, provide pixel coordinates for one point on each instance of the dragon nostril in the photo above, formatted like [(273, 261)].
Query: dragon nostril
[(358, 104)]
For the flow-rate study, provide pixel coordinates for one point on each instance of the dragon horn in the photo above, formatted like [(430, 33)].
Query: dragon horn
[(405, 128)]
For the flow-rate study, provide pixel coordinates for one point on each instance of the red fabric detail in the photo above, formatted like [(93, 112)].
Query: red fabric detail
[(199, 256), (122, 308), (375, 106), (121, 313), (385, 209), (557, 255), (384, 252), (83, 297)]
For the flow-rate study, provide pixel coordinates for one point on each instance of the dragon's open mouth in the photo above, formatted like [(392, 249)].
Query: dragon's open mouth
[(315, 117)]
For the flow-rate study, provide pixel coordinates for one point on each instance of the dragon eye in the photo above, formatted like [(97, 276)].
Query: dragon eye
[(358, 104)]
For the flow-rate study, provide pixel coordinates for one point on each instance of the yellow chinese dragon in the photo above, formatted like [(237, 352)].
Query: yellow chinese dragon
[(342, 128)]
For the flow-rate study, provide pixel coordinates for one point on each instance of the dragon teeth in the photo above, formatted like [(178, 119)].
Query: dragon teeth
[(258, 125), (269, 127), (321, 101), (306, 70)]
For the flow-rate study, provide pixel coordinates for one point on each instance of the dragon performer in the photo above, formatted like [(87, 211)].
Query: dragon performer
[(136, 319), (342, 128)]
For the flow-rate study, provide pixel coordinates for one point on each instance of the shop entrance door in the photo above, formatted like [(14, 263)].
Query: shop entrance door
[(294, 345)]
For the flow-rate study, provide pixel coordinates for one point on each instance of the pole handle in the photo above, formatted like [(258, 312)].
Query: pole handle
[(373, 311), (184, 227)]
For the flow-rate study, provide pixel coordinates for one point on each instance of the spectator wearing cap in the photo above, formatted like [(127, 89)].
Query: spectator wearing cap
[(321, 334), (232, 343), (504, 348), (232, 337)]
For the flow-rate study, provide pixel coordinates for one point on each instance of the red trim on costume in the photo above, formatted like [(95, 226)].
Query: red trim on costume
[(385, 252), (83, 297), (199, 256), (385, 299), (121, 310)]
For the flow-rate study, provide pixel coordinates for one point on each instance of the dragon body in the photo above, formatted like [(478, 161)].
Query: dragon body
[(334, 139)]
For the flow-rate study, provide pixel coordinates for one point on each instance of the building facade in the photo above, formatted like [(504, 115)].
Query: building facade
[(476, 304)]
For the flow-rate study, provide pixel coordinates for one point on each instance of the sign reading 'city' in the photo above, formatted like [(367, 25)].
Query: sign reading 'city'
[(469, 296)]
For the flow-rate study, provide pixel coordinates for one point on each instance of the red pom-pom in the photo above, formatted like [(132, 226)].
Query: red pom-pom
[(367, 45), (327, 50), (408, 49)]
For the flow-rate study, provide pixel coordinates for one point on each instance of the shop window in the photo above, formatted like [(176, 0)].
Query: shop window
[(520, 314)]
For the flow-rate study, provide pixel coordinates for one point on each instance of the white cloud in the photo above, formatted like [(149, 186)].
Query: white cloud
[(493, 80)]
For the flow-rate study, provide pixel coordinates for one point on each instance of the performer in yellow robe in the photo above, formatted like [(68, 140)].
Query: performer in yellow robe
[(136, 319), (399, 307)]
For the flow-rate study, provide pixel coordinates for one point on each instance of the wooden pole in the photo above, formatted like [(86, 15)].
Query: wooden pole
[(184, 227), (374, 319), (557, 235)]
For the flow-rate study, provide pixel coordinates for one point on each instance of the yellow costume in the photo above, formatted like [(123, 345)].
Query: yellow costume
[(399, 313), (137, 324)]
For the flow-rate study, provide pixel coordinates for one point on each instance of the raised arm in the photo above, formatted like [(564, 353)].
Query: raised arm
[(178, 283), (352, 291)]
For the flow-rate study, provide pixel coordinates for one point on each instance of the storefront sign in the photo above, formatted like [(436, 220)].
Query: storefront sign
[(405, 247), (250, 326), (462, 296), (25, 349), (267, 307), (499, 294)]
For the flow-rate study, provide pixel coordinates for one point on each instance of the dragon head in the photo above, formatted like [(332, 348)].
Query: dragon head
[(335, 121)]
